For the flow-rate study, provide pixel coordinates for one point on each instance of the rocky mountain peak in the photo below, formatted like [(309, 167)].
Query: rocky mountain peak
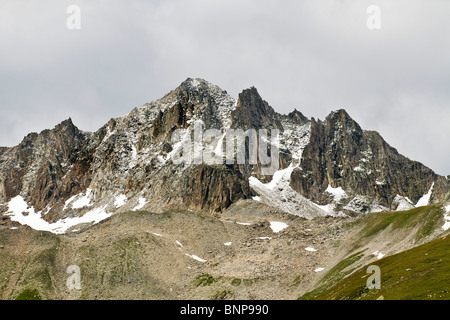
[(253, 112), (341, 123), (197, 90), (297, 117), (65, 124), (197, 84), (128, 164)]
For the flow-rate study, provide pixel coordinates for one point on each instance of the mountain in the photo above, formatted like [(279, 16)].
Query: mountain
[(64, 177), (199, 195)]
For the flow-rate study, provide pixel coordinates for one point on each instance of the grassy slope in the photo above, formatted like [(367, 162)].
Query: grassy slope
[(419, 273), (424, 219)]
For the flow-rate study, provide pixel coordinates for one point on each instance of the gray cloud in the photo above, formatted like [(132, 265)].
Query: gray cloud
[(315, 56)]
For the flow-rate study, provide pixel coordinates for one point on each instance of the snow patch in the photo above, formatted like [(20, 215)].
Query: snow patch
[(280, 178), (142, 203), (161, 159), (425, 198), (338, 193), (328, 208), (244, 223), (193, 256), (378, 254), (83, 201), (179, 243), (278, 193), (219, 147), (446, 225), (403, 203), (278, 226), (133, 152), (359, 169), (120, 200), (184, 141), (68, 201), (18, 211), (17, 207)]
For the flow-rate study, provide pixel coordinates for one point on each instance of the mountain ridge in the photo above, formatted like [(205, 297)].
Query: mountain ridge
[(131, 158)]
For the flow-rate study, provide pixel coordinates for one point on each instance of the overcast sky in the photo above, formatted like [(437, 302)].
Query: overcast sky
[(315, 56)]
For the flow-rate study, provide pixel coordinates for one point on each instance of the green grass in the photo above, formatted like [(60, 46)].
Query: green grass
[(421, 273), (44, 264), (338, 272), (204, 280), (423, 221), (424, 217), (29, 294), (298, 279)]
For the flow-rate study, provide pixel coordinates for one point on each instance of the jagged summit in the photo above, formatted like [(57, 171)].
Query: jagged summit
[(65, 177), (197, 83), (195, 88), (253, 112), (297, 117)]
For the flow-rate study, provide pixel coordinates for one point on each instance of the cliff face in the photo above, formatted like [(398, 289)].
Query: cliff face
[(130, 163), (341, 154), (252, 112), (45, 167)]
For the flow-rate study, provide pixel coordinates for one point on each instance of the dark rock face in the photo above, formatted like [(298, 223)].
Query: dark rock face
[(296, 117), (341, 154), (253, 112), (131, 155), (39, 166), (215, 187)]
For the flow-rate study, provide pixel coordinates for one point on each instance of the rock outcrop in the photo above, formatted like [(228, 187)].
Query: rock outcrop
[(341, 154), (46, 167)]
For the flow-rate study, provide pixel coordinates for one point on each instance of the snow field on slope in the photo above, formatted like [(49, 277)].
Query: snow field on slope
[(446, 225), (120, 200), (338, 193), (425, 198), (140, 205), (18, 206), (82, 200), (403, 203), (278, 193)]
